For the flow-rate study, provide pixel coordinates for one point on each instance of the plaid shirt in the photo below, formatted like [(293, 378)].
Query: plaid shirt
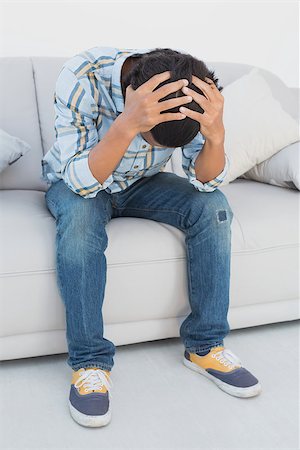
[(87, 99)]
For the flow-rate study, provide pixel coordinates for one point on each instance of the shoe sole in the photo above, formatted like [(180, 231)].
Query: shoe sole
[(250, 391), (90, 421)]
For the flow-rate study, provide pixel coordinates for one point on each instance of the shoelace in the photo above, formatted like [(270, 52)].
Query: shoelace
[(227, 358), (93, 379)]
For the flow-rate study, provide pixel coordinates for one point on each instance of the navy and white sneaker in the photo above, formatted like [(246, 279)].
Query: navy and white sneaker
[(225, 369), (89, 399)]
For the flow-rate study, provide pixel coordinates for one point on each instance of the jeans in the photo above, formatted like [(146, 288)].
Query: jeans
[(205, 219)]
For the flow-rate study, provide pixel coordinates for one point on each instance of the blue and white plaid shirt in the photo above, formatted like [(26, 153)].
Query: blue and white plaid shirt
[(87, 99)]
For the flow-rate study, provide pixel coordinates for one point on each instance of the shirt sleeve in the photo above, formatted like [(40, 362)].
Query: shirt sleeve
[(190, 153), (76, 133)]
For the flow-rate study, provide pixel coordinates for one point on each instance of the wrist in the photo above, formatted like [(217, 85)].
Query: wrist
[(217, 138), (216, 141), (126, 126)]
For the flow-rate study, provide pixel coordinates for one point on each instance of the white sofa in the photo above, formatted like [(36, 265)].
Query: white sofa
[(265, 239)]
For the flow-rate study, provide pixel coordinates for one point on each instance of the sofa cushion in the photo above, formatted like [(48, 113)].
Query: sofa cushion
[(264, 260), (11, 149), (46, 71), (286, 96), (257, 127), (282, 169), (27, 267), (19, 117)]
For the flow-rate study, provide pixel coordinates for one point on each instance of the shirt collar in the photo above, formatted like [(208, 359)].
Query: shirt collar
[(116, 92)]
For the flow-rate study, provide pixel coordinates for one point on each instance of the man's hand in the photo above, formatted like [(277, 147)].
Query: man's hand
[(212, 102), (142, 107)]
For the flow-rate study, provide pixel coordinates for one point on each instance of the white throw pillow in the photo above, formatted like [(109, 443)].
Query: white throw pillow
[(11, 149), (282, 169), (256, 125)]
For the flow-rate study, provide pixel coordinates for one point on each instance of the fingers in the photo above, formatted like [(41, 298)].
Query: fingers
[(173, 102), (205, 87), (167, 117), (209, 81), (192, 114), (154, 81), (200, 99), (168, 89)]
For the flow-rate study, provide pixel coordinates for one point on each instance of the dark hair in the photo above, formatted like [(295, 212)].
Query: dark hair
[(175, 133)]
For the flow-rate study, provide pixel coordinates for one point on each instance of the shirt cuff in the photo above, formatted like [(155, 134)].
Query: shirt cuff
[(79, 178), (208, 186)]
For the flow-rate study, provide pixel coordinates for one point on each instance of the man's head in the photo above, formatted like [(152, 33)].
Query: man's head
[(181, 65)]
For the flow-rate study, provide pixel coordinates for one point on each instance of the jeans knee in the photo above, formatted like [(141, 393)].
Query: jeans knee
[(215, 208), (221, 207)]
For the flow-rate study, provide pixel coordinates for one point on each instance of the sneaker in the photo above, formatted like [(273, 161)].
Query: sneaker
[(89, 400), (225, 369)]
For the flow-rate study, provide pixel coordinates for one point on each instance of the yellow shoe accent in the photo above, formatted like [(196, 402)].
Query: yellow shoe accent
[(84, 388), (213, 360), (225, 369)]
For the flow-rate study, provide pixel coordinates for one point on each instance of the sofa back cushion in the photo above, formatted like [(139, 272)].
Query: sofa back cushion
[(19, 117), (27, 110)]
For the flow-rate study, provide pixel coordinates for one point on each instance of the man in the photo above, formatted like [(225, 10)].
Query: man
[(120, 114)]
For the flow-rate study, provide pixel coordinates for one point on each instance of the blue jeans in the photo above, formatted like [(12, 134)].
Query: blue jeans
[(205, 219)]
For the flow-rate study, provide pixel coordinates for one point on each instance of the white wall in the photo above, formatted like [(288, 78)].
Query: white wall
[(264, 34)]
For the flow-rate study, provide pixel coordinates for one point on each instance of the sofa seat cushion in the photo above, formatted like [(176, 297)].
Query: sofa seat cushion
[(146, 260), (265, 217), (139, 250), (28, 236), (265, 243)]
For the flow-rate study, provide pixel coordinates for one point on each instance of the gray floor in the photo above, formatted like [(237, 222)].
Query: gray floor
[(158, 403)]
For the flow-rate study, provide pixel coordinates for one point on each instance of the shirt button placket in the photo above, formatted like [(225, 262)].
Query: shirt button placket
[(137, 166)]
